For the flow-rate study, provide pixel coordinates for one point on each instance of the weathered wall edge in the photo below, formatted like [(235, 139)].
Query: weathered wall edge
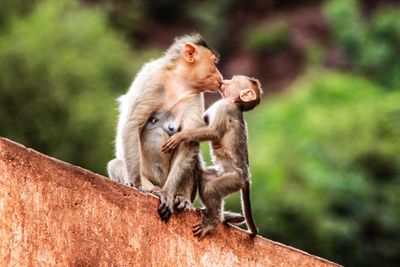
[(54, 206)]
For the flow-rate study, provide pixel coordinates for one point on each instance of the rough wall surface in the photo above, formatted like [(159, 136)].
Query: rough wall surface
[(56, 214)]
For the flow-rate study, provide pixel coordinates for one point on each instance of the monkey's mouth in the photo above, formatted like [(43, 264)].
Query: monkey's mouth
[(222, 88)]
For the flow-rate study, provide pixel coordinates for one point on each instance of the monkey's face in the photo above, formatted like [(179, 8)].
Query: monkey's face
[(232, 88), (201, 69), (245, 92)]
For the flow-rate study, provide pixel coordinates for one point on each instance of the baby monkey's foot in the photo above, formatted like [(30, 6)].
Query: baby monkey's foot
[(182, 203), (197, 231), (208, 223), (233, 217), (200, 230)]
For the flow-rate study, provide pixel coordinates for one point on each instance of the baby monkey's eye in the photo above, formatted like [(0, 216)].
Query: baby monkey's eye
[(153, 120)]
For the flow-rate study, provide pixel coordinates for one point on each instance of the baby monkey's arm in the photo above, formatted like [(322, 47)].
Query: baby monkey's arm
[(192, 135)]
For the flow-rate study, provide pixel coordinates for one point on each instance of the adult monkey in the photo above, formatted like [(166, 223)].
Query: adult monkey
[(187, 69)]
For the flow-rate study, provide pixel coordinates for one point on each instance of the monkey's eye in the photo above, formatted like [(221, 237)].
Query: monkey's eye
[(153, 120)]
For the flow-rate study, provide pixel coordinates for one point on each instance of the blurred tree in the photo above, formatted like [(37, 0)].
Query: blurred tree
[(268, 37), (373, 45), (60, 71), (12, 9), (211, 18), (325, 160), (142, 20)]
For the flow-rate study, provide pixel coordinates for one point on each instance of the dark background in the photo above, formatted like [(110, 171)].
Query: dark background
[(324, 145)]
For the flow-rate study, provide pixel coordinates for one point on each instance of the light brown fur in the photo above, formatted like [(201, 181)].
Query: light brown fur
[(227, 132), (185, 71)]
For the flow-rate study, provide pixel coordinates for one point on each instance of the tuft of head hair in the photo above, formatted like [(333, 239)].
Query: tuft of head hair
[(256, 86), (176, 49)]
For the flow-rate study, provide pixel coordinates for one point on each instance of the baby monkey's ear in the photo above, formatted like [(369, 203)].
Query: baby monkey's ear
[(247, 95)]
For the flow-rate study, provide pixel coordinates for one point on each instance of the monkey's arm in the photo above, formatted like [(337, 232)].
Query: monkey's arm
[(141, 110), (191, 135)]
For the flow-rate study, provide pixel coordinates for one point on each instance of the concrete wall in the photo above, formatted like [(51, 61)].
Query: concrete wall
[(56, 214)]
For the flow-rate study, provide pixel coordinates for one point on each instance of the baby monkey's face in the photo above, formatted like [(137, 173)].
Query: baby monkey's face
[(232, 88)]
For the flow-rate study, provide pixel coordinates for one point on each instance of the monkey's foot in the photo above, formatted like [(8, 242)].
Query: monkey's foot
[(182, 203), (233, 217), (166, 206), (200, 231)]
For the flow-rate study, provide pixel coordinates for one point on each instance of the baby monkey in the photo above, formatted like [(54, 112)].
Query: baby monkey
[(227, 131)]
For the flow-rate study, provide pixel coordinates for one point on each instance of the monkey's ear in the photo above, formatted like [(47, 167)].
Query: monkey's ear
[(190, 52), (247, 95)]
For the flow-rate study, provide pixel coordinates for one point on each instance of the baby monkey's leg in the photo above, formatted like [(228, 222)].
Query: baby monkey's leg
[(233, 217), (214, 190)]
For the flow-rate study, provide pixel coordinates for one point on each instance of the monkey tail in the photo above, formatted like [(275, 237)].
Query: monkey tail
[(246, 207)]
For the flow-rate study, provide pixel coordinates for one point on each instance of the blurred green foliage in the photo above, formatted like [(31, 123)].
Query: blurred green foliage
[(61, 68), (12, 9), (268, 37), (373, 45), (325, 159), (209, 15)]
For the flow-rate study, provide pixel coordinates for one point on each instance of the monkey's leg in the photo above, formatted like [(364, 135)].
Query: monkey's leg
[(139, 112), (224, 185), (132, 158), (117, 171), (208, 174), (183, 164), (188, 191), (212, 197), (183, 198), (232, 182), (148, 186)]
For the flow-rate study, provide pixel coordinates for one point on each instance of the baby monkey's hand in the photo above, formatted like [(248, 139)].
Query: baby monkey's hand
[(172, 142)]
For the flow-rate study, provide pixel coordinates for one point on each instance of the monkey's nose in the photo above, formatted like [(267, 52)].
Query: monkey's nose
[(171, 127)]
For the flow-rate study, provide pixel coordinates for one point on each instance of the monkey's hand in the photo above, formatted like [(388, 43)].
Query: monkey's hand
[(166, 206), (182, 203), (172, 142)]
